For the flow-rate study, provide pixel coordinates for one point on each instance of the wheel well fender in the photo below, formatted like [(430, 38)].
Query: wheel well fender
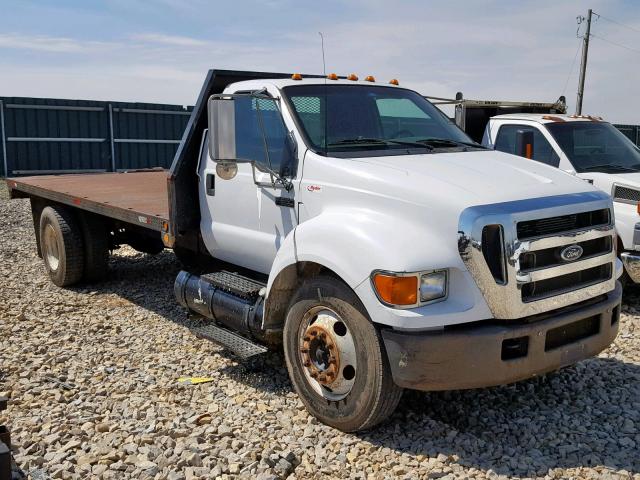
[(350, 244)]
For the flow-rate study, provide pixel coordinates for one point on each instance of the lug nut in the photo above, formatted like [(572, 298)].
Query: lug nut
[(313, 333), (314, 374), (307, 338), (322, 378), (307, 363), (323, 335), (304, 350)]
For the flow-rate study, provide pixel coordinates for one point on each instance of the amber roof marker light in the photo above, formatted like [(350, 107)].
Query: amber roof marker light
[(296, 76), (369, 78), (394, 81), (332, 76), (353, 77)]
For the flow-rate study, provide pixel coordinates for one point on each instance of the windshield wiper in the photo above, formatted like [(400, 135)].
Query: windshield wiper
[(378, 141), (449, 142), (604, 166)]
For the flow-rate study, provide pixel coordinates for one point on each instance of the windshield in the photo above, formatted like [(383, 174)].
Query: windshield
[(355, 118), (596, 147)]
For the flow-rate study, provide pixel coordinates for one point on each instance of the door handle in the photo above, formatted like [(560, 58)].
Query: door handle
[(210, 184)]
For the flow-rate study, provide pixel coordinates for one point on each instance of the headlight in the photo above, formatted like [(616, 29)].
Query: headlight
[(433, 285), (408, 290)]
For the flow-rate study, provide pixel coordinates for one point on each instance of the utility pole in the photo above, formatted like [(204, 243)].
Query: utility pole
[(583, 64)]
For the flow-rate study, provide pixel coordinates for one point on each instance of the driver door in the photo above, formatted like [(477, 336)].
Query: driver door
[(244, 219)]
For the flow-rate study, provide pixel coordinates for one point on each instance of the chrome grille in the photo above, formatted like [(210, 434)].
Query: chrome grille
[(625, 194), (563, 223), (535, 233)]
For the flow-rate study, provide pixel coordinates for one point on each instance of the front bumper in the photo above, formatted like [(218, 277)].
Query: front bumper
[(486, 354), (631, 264)]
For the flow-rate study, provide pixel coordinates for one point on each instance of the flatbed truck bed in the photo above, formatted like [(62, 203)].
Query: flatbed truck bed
[(138, 198)]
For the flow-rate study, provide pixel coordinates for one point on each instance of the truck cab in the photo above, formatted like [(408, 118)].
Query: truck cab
[(445, 246), (590, 149)]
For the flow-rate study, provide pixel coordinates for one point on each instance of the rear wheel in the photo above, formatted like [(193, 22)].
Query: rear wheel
[(336, 358), (61, 245), (96, 247)]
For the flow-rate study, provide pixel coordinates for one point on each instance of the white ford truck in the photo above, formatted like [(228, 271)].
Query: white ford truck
[(350, 222), (589, 148)]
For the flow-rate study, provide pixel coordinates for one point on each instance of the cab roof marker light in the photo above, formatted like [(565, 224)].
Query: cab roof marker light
[(553, 118), (332, 76), (353, 77), (296, 76), (369, 78), (593, 118), (394, 81)]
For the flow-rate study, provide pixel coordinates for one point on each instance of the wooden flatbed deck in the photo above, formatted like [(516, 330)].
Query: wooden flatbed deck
[(139, 198)]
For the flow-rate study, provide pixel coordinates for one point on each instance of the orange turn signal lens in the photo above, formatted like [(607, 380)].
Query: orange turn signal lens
[(369, 78), (296, 76), (332, 76), (353, 77), (394, 81), (396, 290), (638, 208)]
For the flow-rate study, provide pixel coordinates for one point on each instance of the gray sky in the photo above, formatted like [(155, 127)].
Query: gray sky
[(159, 50)]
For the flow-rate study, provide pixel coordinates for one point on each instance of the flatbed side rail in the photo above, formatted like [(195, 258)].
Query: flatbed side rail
[(18, 189)]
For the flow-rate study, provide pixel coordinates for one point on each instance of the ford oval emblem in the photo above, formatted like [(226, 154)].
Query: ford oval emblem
[(571, 253)]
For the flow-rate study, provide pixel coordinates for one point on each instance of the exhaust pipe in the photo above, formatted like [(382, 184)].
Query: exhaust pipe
[(244, 315)]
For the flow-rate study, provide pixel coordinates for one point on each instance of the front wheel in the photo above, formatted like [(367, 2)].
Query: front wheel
[(336, 359)]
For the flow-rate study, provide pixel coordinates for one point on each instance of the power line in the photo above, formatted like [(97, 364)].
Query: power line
[(618, 23), (614, 43)]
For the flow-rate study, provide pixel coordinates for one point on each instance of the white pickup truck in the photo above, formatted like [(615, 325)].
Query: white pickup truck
[(355, 225), (589, 148)]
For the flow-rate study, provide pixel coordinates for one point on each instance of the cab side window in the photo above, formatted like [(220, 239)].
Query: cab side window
[(261, 135), (542, 150)]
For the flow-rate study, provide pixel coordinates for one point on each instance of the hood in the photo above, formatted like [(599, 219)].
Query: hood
[(416, 200), (474, 178)]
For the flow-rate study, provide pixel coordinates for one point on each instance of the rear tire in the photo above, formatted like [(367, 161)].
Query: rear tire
[(61, 246), (96, 247), (361, 392)]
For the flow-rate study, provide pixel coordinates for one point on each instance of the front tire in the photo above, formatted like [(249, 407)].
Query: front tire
[(336, 358), (61, 246)]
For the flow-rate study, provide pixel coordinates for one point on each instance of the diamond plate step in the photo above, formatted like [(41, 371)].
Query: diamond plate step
[(240, 346), (235, 284)]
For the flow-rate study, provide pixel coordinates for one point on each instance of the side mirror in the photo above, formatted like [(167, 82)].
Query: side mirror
[(524, 143), (222, 129)]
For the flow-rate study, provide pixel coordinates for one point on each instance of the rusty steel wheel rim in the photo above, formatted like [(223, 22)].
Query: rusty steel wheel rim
[(327, 353)]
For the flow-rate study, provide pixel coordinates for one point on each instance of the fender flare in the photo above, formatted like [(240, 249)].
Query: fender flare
[(354, 242)]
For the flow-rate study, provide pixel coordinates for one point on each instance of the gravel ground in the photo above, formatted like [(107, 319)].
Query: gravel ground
[(93, 377)]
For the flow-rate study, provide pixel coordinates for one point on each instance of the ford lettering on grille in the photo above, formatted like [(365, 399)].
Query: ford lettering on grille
[(571, 253)]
